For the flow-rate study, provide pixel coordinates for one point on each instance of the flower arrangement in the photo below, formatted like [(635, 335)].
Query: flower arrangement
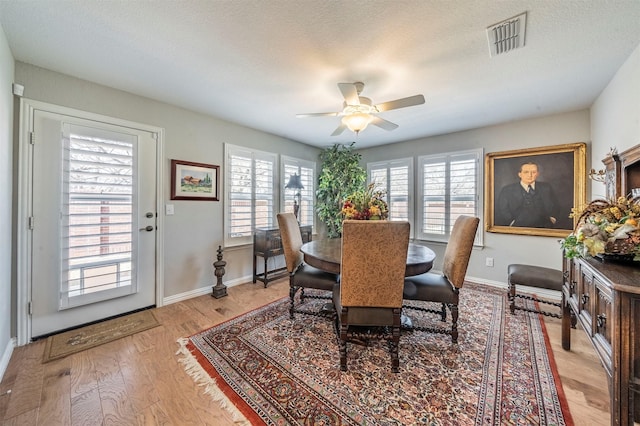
[(367, 204), (606, 227)]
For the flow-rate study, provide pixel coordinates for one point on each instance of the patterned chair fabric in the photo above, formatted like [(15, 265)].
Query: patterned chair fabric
[(368, 300), (301, 275), (445, 288)]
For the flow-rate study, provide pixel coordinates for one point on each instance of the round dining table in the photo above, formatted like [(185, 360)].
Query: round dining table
[(326, 254)]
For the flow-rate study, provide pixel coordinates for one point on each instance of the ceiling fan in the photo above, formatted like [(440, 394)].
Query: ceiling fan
[(358, 112)]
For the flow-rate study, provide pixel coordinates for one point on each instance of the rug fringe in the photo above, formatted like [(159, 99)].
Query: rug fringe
[(193, 368)]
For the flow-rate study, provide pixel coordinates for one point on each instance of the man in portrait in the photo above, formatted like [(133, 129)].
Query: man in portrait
[(527, 203)]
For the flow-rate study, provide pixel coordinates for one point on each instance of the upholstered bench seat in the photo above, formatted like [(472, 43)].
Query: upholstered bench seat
[(533, 276)]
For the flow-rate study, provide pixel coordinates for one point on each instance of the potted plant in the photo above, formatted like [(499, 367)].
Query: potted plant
[(340, 176), (367, 204)]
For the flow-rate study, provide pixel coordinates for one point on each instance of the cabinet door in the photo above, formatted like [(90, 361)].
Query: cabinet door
[(604, 322), (585, 298), (306, 231), (570, 276), (634, 359)]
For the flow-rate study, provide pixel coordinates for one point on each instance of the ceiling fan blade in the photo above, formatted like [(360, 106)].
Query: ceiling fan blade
[(341, 128), (318, 114), (383, 124), (401, 103), (350, 93)]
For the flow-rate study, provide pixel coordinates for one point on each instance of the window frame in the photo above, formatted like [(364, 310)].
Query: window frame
[(254, 155), (309, 194), (387, 166), (479, 202)]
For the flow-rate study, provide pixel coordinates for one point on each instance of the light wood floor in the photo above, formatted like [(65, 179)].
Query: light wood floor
[(137, 379)]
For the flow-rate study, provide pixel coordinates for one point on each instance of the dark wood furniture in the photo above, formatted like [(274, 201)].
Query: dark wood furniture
[(368, 301), (326, 255), (605, 299), (622, 172), (444, 288), (267, 244), (533, 276)]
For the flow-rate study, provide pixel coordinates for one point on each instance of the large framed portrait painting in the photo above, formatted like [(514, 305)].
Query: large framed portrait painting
[(532, 191)]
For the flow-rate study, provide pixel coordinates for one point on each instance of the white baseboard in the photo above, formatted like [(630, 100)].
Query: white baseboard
[(202, 291), (6, 356), (542, 293)]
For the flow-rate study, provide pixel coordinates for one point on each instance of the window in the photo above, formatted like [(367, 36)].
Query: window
[(449, 185), (307, 172), (98, 213), (396, 178), (250, 191)]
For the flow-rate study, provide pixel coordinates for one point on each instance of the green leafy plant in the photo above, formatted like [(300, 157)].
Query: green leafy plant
[(341, 175)]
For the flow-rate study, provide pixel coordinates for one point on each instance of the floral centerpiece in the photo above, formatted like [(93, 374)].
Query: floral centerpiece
[(605, 227), (367, 204)]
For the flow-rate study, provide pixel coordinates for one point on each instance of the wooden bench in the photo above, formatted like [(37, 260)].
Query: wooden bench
[(533, 276)]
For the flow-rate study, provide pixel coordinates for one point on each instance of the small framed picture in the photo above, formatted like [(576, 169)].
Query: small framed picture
[(194, 181), (532, 191)]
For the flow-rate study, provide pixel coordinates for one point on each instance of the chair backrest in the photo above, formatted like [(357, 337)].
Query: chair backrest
[(291, 240), (374, 259), (458, 251)]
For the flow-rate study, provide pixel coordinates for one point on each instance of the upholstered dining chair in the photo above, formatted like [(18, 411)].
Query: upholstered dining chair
[(368, 301), (445, 288), (301, 275)]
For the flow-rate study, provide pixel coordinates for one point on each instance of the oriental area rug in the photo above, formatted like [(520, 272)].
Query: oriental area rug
[(268, 369)]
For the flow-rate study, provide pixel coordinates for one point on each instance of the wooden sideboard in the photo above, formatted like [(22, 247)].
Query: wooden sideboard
[(604, 297), (267, 244)]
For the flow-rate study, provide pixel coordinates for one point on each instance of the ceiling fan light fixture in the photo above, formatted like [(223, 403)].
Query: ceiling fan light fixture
[(357, 122)]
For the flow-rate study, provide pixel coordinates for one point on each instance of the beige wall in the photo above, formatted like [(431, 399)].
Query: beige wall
[(503, 248), (6, 184), (194, 232), (615, 115)]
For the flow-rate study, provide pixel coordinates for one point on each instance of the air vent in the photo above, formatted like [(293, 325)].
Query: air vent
[(507, 35)]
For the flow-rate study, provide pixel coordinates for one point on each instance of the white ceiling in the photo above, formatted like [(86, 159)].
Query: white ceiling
[(259, 62)]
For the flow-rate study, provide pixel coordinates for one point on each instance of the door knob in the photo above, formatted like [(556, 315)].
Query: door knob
[(147, 228)]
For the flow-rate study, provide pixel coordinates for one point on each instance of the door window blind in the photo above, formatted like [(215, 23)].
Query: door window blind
[(98, 217)]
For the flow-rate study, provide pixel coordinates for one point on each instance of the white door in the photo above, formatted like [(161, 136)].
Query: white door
[(93, 221)]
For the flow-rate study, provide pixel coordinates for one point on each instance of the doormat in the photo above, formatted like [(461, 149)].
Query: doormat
[(73, 341), (267, 369)]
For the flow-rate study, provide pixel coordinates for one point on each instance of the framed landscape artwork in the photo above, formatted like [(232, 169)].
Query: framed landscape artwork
[(532, 191), (194, 181)]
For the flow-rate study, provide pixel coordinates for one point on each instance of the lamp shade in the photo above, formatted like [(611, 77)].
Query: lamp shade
[(357, 121), (294, 182)]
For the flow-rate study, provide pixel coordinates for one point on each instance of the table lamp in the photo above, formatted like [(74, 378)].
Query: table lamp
[(295, 183)]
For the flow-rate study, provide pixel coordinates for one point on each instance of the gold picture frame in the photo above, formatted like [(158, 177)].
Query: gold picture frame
[(194, 181), (560, 182)]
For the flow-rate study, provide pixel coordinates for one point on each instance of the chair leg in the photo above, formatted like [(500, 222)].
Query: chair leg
[(292, 295), (395, 340), (343, 340), (454, 322), (443, 313), (512, 297)]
